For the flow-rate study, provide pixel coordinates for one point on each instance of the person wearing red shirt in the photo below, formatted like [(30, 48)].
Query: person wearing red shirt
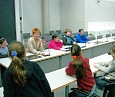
[(81, 69), (55, 43)]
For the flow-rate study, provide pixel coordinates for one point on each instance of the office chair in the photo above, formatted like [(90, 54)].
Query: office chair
[(58, 31), (108, 35), (84, 93), (26, 36), (99, 36), (113, 34), (109, 90), (91, 37)]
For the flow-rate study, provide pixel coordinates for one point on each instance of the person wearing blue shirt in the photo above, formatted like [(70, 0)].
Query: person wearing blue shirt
[(80, 37), (3, 48)]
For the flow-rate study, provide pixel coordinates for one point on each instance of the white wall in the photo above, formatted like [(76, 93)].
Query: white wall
[(99, 16), (54, 15), (72, 14)]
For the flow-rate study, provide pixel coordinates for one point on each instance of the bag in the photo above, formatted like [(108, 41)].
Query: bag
[(77, 93)]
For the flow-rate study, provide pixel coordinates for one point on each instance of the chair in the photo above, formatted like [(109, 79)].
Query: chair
[(51, 32), (91, 37), (26, 36), (58, 31), (84, 93), (109, 90), (108, 35), (113, 34), (99, 36)]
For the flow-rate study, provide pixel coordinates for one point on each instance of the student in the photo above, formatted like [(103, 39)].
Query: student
[(35, 43), (3, 48), (55, 43), (81, 69), (108, 69), (24, 78), (80, 37), (67, 39)]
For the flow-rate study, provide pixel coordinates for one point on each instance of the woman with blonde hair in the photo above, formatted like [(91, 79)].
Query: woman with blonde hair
[(24, 78)]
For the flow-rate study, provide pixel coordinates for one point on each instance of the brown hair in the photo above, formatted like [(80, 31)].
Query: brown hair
[(78, 62), (2, 40), (67, 30), (113, 49), (34, 30), (17, 67)]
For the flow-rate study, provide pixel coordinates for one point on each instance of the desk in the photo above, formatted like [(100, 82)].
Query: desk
[(58, 78)]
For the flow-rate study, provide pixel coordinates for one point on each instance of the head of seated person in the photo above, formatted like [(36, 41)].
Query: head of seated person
[(67, 39), (81, 37), (55, 43), (36, 33), (3, 47)]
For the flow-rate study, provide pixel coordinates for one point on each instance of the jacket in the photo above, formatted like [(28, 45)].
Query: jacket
[(32, 47), (81, 38), (67, 40), (55, 45), (88, 81), (36, 85)]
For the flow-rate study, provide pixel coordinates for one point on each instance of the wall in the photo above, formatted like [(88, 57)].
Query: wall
[(99, 16), (72, 14)]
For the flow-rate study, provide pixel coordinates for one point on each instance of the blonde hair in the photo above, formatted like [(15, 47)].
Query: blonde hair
[(35, 30), (18, 69)]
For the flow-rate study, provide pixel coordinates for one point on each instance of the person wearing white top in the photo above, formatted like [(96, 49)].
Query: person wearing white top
[(108, 69)]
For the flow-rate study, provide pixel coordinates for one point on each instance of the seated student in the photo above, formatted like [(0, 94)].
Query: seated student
[(80, 37), (35, 43), (24, 78), (81, 69), (3, 48), (55, 43), (67, 39), (108, 69)]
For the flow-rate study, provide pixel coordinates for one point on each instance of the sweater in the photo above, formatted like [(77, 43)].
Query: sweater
[(36, 85), (88, 81), (55, 45)]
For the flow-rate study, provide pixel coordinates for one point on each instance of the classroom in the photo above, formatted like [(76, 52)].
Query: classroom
[(95, 17)]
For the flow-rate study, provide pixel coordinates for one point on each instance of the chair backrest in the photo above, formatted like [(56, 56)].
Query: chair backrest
[(58, 32), (93, 90), (108, 35), (109, 90), (113, 34), (99, 36)]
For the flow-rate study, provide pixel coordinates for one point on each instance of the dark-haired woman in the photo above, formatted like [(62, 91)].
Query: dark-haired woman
[(81, 69), (55, 43), (24, 78)]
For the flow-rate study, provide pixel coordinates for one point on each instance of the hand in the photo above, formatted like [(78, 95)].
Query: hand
[(42, 53), (95, 63), (44, 43)]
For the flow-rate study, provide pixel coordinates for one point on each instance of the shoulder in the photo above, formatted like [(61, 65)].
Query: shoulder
[(86, 60), (31, 39)]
